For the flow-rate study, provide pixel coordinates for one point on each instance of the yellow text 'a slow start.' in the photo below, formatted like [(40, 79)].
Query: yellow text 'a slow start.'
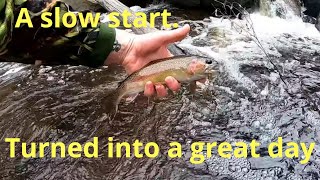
[(70, 19)]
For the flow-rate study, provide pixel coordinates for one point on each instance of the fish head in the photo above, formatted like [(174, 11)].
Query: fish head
[(203, 68)]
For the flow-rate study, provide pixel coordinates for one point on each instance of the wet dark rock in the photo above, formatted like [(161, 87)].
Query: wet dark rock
[(82, 5), (211, 4), (313, 7), (257, 74), (309, 19), (318, 22), (130, 3)]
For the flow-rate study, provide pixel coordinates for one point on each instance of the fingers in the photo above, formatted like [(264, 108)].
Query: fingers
[(161, 90), (175, 35), (150, 89), (172, 83)]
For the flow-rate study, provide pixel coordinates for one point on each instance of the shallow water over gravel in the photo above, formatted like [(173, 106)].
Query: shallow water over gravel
[(247, 101)]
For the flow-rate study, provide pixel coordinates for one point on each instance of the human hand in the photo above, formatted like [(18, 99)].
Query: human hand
[(138, 50)]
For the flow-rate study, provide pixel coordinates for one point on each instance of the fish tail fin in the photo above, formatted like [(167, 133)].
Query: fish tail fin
[(111, 102)]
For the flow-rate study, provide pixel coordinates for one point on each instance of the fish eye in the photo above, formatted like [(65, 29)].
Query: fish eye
[(208, 61)]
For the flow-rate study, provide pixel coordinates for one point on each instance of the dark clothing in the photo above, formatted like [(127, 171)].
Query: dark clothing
[(78, 46)]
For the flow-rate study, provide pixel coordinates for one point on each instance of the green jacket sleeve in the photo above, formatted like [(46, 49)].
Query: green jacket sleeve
[(88, 46), (104, 44)]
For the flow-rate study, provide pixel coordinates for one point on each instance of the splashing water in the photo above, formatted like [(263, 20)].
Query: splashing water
[(286, 9), (270, 107)]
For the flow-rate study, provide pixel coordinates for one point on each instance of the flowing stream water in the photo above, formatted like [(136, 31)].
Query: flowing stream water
[(258, 95)]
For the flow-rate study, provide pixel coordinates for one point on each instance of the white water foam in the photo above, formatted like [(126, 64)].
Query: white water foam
[(269, 31)]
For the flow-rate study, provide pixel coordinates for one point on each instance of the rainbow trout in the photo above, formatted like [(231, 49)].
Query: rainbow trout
[(186, 69)]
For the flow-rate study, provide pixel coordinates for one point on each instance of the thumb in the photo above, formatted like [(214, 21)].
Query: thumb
[(175, 35)]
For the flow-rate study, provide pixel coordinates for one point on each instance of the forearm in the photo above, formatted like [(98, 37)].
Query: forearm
[(124, 43)]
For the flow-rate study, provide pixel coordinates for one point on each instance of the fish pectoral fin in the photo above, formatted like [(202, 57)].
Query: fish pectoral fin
[(129, 99), (193, 87)]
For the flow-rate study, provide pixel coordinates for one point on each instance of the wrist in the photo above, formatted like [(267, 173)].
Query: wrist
[(123, 45)]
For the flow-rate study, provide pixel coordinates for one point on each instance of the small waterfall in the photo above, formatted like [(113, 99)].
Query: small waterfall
[(265, 6), (286, 9)]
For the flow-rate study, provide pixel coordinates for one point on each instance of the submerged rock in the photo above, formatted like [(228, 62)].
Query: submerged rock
[(312, 12), (309, 19)]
